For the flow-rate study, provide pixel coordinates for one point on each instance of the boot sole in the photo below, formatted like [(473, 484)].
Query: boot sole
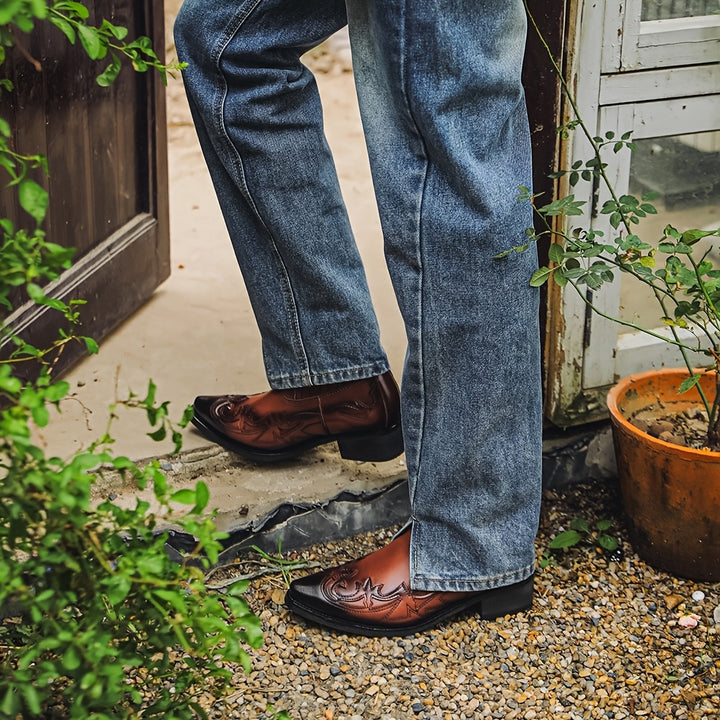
[(364, 447), (488, 605)]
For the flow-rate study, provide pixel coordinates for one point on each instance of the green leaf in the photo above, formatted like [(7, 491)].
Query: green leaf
[(566, 539), (187, 416), (540, 276), (71, 659), (690, 237), (75, 8), (608, 542), (149, 400), (40, 415), (159, 485), (109, 75), (92, 42), (57, 391), (151, 565), (564, 206), (11, 703), (580, 524), (33, 199), (172, 598), (238, 588), (85, 461), (202, 496), (556, 253), (116, 30), (253, 631), (688, 383), (159, 435), (184, 496), (88, 680), (65, 26), (118, 592), (90, 344)]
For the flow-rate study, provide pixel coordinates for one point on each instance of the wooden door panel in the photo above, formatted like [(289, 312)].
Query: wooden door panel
[(107, 154)]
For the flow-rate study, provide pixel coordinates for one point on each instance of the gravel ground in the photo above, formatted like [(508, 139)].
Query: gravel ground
[(602, 640)]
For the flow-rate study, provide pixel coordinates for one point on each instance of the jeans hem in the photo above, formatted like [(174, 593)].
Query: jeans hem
[(434, 584), (304, 379)]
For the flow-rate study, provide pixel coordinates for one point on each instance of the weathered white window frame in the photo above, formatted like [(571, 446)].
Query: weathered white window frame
[(634, 44), (656, 78)]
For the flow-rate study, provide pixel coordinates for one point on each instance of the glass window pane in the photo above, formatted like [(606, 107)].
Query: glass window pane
[(668, 9), (685, 171)]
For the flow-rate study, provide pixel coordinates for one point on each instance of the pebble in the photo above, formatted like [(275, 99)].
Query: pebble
[(689, 621), (603, 640)]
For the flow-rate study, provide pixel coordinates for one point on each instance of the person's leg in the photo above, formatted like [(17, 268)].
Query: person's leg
[(258, 116), (446, 123), (445, 120), (259, 120)]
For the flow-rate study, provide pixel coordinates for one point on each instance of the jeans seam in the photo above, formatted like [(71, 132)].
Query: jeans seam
[(219, 114), (418, 245)]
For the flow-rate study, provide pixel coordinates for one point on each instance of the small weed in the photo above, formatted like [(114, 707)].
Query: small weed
[(282, 565), (546, 559), (581, 533), (276, 714)]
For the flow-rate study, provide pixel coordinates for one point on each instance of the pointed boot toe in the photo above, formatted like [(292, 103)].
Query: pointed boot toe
[(202, 405)]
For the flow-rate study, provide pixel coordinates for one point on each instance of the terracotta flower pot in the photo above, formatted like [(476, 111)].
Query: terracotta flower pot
[(671, 494)]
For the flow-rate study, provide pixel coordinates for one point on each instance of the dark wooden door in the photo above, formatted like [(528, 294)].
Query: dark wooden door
[(543, 92), (107, 156)]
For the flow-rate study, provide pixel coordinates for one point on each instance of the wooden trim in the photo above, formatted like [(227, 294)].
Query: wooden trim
[(101, 279), (158, 146), (543, 93)]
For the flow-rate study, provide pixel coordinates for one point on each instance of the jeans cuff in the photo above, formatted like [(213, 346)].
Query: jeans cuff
[(305, 379), (429, 584)]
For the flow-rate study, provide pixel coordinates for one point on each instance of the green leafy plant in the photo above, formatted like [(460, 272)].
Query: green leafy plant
[(580, 533), (676, 266), (105, 41), (277, 714), (96, 621)]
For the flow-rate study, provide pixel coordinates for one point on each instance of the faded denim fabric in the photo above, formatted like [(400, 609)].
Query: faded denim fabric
[(446, 128)]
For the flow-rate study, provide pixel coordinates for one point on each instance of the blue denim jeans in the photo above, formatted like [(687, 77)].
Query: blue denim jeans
[(446, 128)]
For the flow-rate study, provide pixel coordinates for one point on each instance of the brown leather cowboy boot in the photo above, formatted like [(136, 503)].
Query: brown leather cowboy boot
[(372, 596), (362, 416)]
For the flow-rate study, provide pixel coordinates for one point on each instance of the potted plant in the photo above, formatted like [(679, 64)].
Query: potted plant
[(666, 423)]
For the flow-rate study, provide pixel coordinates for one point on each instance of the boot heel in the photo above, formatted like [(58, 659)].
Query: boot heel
[(507, 600), (372, 448)]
